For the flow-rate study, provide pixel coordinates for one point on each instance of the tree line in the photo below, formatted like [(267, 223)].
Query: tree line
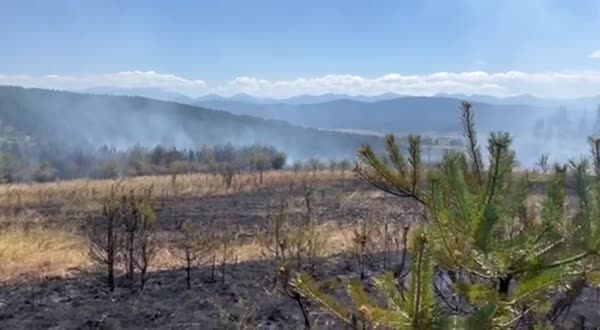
[(22, 160)]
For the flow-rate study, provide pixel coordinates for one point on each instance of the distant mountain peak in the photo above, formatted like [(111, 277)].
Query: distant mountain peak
[(149, 92), (161, 94)]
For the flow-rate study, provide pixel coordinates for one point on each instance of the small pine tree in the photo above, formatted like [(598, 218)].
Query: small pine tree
[(503, 260), (188, 245), (315, 165), (542, 163), (361, 240), (131, 226), (345, 166), (275, 240), (333, 165), (104, 238), (194, 244), (147, 234), (225, 241)]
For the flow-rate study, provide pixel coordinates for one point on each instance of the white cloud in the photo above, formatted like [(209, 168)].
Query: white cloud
[(595, 55), (552, 84), (125, 79)]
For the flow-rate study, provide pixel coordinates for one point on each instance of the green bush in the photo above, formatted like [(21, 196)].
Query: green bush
[(278, 161)]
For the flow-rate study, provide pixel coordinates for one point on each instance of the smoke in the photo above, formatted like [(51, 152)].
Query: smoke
[(561, 133), (74, 121)]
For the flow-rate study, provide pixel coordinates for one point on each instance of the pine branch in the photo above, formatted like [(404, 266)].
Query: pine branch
[(308, 288), (459, 189), (478, 294), (395, 155), (385, 317), (388, 285), (414, 160), (373, 169), (570, 260), (420, 294), (435, 197), (535, 284), (482, 318), (496, 186), (386, 189), (359, 296), (468, 122), (516, 319)]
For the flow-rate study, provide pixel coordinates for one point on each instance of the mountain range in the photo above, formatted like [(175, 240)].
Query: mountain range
[(304, 126), (440, 115), (161, 94), (590, 102)]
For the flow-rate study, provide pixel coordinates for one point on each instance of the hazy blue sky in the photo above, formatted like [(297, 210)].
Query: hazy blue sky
[(285, 47)]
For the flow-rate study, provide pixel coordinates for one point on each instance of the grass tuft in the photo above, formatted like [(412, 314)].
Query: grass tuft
[(40, 252)]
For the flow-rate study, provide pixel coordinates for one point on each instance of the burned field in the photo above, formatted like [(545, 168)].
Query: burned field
[(233, 284), (334, 226)]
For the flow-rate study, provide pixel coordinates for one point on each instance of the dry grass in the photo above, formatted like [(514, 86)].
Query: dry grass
[(83, 191), (39, 252), (32, 246), (338, 240)]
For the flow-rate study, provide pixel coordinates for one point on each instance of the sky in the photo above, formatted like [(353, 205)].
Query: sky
[(281, 48)]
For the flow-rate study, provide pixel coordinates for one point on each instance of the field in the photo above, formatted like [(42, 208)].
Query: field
[(50, 279)]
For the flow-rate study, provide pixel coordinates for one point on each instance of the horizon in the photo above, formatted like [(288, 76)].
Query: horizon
[(122, 91), (545, 48), (135, 91)]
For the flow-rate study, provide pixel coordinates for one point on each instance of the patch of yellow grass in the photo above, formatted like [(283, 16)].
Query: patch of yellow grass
[(337, 240), (31, 248), (38, 252), (85, 191), (33, 252)]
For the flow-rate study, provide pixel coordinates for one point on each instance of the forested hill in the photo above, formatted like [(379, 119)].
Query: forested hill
[(75, 121), (403, 114)]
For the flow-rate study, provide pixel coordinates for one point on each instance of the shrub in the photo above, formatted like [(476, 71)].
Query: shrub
[(194, 244), (345, 166), (297, 166), (278, 161), (110, 170), (260, 164), (179, 167), (44, 173)]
